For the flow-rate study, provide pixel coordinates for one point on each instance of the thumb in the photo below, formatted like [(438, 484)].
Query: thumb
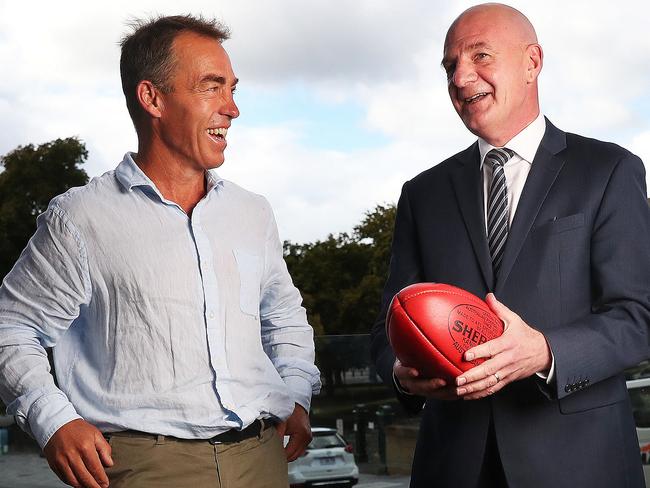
[(104, 450), (281, 428), (501, 311)]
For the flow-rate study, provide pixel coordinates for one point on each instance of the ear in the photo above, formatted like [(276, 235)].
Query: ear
[(535, 60), (149, 98)]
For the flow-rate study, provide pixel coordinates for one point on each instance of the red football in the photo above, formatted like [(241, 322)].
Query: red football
[(431, 325)]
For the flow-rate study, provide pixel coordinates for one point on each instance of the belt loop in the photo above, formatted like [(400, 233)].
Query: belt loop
[(160, 439)]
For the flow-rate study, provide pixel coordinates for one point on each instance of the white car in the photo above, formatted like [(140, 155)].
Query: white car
[(328, 461), (639, 391)]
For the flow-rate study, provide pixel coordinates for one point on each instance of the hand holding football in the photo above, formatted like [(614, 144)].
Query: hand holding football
[(431, 325)]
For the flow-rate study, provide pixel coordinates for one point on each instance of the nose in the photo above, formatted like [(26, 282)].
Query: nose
[(464, 73), (229, 108)]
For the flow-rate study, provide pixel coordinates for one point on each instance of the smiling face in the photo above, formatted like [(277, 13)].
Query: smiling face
[(492, 61), (195, 116)]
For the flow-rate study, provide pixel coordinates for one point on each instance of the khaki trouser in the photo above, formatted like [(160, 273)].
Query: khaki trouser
[(143, 461)]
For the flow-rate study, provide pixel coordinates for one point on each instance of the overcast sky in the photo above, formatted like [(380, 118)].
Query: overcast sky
[(341, 101)]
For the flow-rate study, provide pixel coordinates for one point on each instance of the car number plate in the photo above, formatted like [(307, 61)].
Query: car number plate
[(327, 460)]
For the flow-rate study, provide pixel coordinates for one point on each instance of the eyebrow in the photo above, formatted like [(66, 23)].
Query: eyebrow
[(217, 79), (468, 47), (476, 45)]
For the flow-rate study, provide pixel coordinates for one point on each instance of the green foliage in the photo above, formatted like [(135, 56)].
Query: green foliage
[(341, 278), (32, 176), (377, 230)]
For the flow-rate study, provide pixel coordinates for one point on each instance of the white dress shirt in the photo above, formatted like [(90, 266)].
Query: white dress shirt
[(163, 323)]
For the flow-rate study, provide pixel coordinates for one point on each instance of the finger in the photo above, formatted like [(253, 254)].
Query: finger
[(291, 448), (93, 464), (61, 475), (84, 477), (477, 386), (404, 372), (487, 368), (490, 384), (446, 393), (486, 350), (425, 387), (64, 471), (494, 384), (481, 389), (104, 450), (486, 392), (296, 446)]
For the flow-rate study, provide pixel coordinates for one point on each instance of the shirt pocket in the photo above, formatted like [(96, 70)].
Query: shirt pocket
[(250, 273)]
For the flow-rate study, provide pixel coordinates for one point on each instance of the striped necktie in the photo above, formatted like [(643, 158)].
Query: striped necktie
[(497, 213)]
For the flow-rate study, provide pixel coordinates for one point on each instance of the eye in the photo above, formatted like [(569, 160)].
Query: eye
[(449, 69), (481, 56)]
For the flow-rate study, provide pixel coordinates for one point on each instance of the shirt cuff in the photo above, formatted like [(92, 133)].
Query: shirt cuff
[(48, 414), (550, 376), (302, 390)]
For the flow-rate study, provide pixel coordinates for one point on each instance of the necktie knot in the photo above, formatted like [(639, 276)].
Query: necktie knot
[(499, 156)]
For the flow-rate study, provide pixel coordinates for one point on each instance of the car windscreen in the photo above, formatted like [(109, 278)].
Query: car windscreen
[(325, 441), (640, 398), (641, 370)]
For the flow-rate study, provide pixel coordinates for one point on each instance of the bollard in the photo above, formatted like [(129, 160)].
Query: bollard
[(389, 414), (4, 440), (360, 421), (384, 418)]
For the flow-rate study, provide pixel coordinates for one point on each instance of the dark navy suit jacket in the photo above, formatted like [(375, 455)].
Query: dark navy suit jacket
[(576, 266)]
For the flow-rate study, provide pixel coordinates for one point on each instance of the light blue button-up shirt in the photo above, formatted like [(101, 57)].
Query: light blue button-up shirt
[(161, 323)]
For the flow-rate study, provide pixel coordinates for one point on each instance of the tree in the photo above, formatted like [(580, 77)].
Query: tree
[(32, 176), (324, 271), (341, 280), (377, 230)]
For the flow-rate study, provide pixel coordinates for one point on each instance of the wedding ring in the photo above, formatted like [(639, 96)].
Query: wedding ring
[(496, 375)]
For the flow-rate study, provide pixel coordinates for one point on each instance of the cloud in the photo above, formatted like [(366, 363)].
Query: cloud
[(316, 192), (640, 145), (374, 61), (322, 41)]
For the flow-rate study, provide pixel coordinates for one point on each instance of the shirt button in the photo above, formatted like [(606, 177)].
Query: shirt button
[(211, 315)]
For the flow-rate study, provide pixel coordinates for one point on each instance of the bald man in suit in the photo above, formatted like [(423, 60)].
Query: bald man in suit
[(554, 229)]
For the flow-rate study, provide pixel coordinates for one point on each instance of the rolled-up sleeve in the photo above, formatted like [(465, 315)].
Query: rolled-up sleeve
[(287, 337), (39, 299)]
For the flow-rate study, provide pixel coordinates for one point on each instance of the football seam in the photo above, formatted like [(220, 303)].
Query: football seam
[(425, 292), (417, 327)]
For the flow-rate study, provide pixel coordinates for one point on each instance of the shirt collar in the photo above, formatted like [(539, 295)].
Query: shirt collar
[(213, 179), (129, 174), (525, 144)]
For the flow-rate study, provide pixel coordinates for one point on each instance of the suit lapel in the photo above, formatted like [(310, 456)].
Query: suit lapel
[(468, 187), (543, 172)]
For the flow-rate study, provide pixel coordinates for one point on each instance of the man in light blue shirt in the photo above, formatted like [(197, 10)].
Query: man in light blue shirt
[(164, 290)]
